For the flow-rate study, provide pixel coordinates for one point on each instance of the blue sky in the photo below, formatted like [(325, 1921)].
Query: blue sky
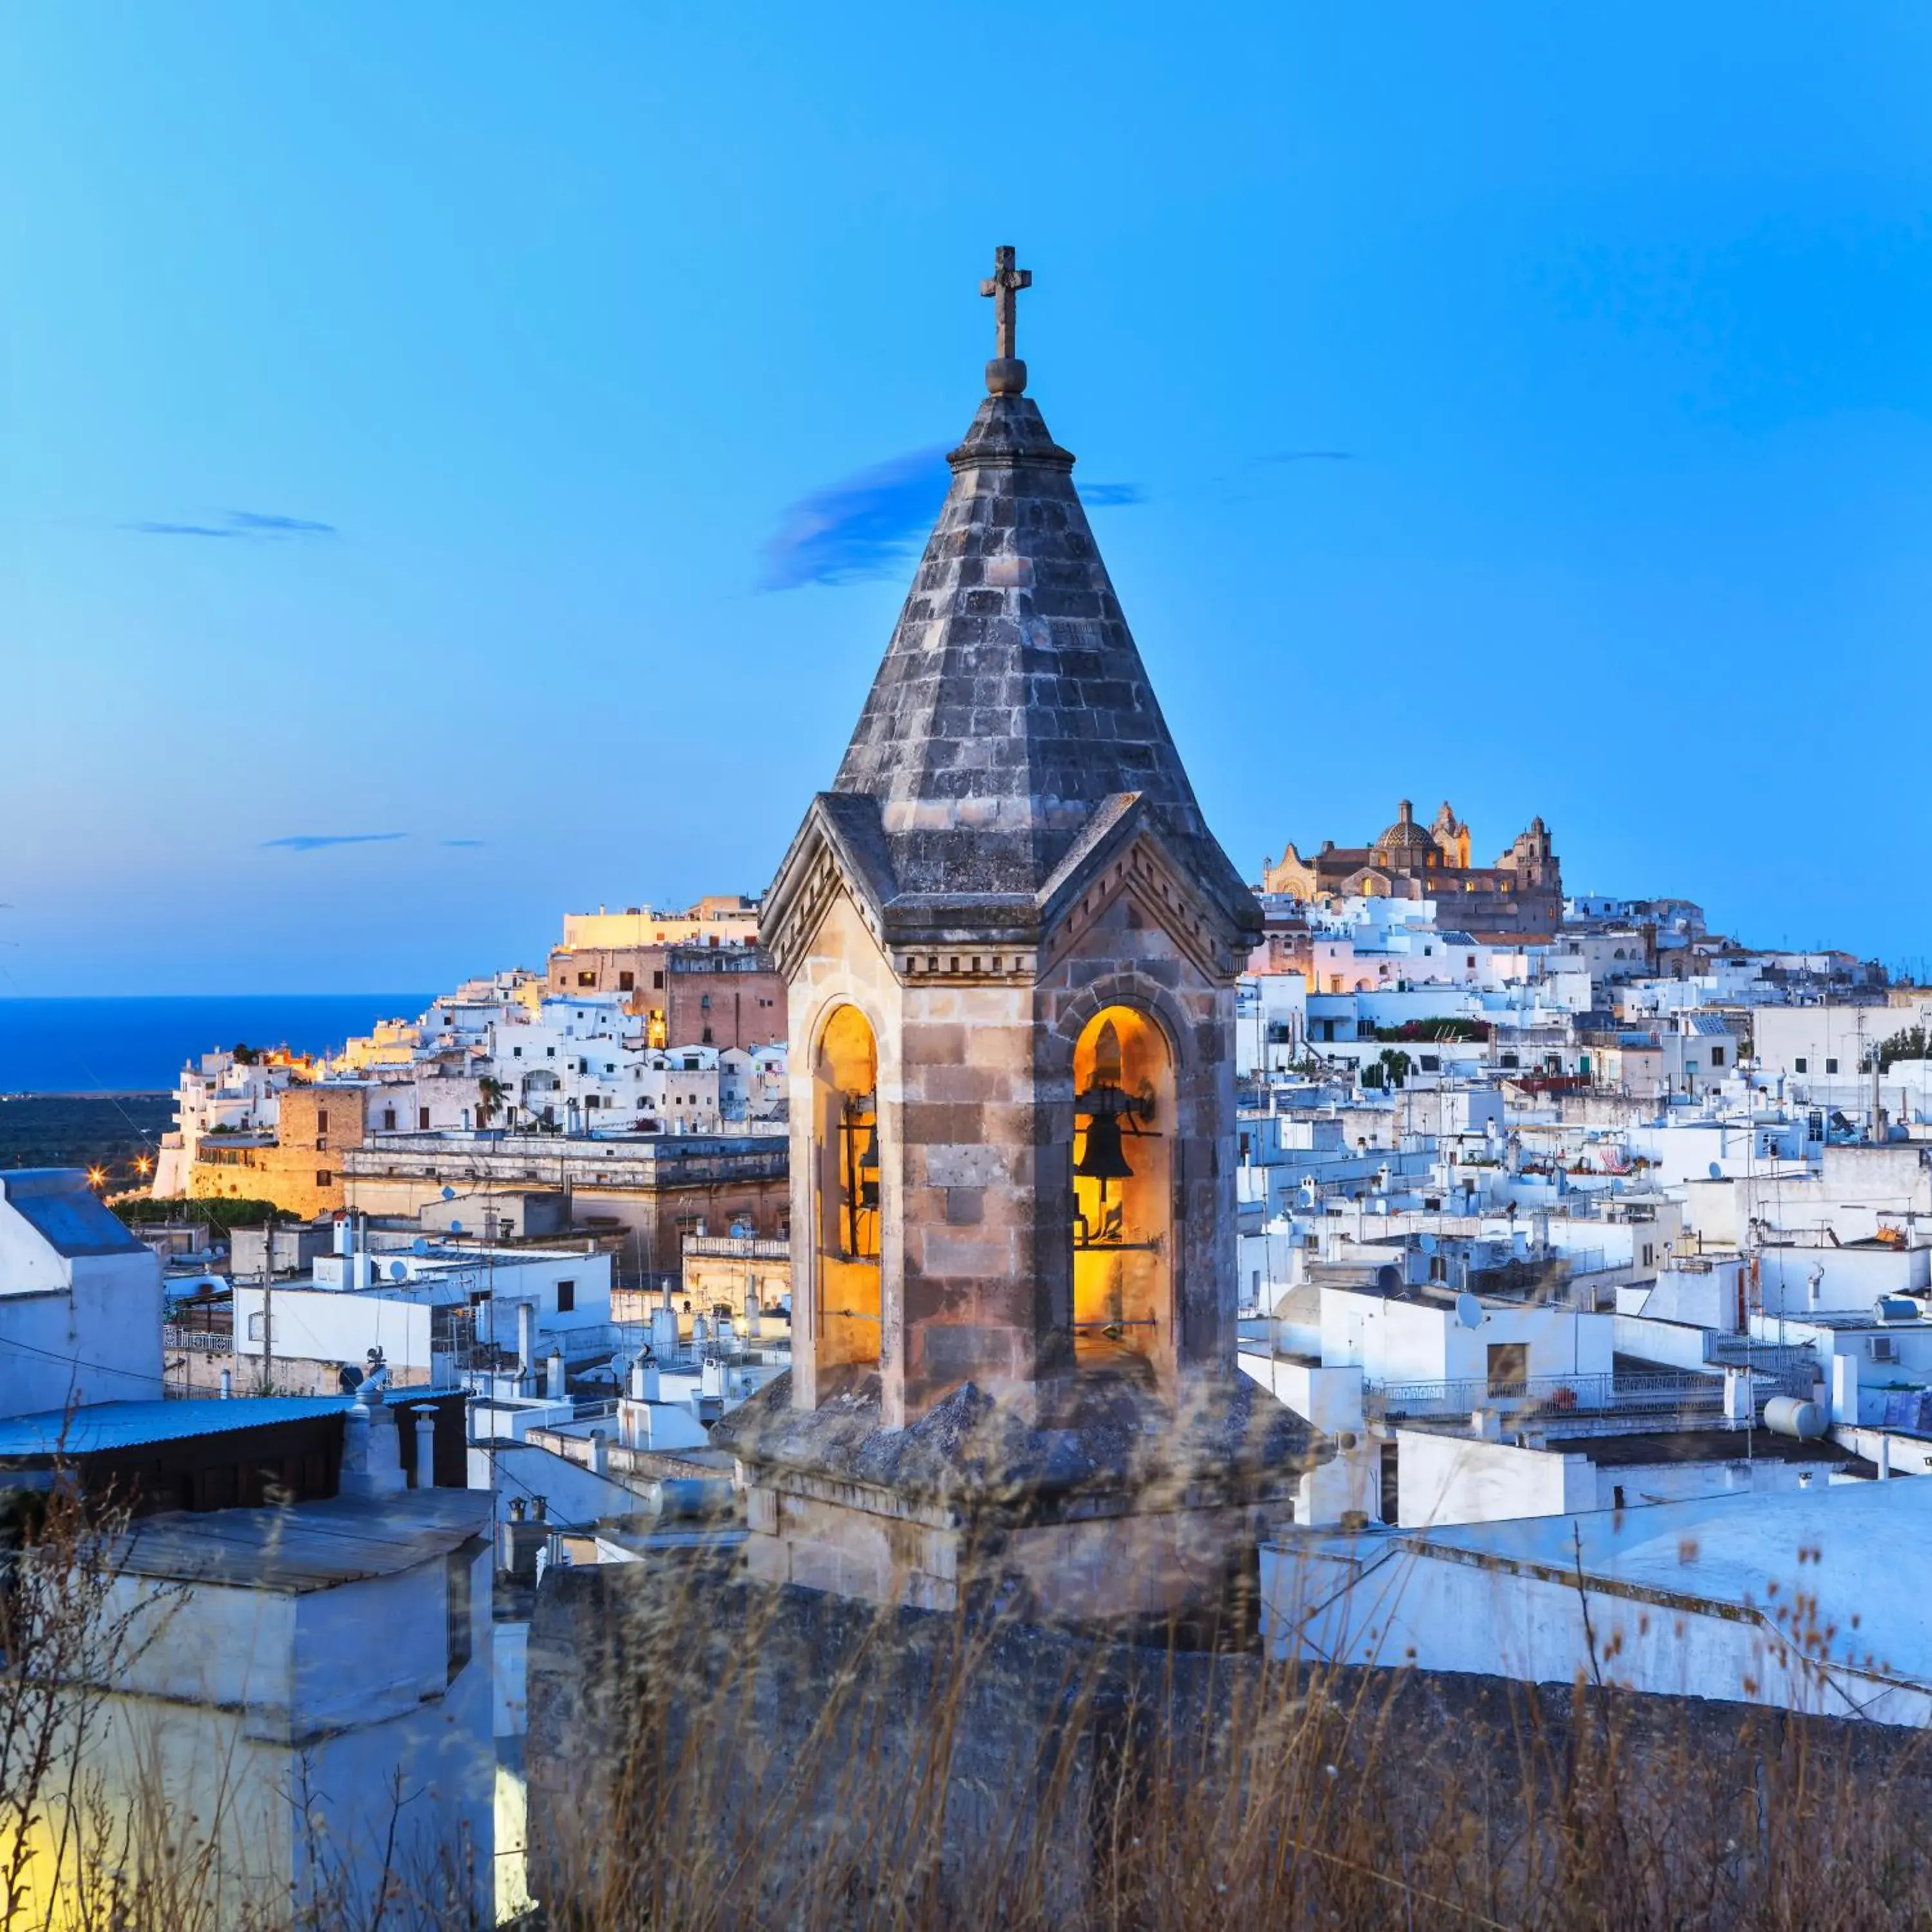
[(458, 462)]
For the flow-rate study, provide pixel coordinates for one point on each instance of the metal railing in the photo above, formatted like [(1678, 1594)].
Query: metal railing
[(198, 1341), (1667, 1391), (1682, 1392), (1782, 1359), (739, 1247)]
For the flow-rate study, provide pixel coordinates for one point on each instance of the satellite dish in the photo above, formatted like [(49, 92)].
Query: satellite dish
[(1427, 1244), (1388, 1279), (456, 1227), (398, 1271), (1716, 1171), (1469, 1310), (449, 1194), (420, 1246)]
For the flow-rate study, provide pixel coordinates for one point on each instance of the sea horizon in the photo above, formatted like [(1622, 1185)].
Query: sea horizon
[(79, 1043)]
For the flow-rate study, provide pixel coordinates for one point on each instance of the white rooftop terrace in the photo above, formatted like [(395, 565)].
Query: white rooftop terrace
[(1690, 1599)]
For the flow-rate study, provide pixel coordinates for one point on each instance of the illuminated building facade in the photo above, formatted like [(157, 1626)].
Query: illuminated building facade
[(1521, 895)]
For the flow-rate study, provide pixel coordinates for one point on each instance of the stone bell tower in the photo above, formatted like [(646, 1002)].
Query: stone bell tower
[(1011, 942)]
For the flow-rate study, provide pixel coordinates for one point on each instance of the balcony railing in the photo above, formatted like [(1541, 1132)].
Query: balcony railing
[(738, 1247), (198, 1341), (1669, 1392), (1795, 1361)]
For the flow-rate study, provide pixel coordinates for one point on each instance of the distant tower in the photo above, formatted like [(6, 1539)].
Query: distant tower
[(1452, 837)]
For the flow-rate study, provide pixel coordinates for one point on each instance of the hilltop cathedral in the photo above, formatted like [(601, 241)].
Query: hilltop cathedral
[(1520, 896), (1011, 943)]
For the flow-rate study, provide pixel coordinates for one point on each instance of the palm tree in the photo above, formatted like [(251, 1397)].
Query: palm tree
[(490, 1095)]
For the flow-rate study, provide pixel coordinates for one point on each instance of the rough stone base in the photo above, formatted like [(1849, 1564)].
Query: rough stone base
[(1099, 1505), (881, 1548)]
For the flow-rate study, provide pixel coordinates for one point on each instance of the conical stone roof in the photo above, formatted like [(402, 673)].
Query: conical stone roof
[(1012, 706)]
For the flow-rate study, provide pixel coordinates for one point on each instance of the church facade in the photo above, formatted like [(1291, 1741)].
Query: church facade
[(1521, 896)]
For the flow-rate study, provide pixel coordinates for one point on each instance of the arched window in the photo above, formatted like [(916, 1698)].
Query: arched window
[(1123, 1109), (846, 1139)]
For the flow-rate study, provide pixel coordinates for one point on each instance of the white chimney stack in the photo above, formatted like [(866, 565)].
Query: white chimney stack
[(425, 1415), (372, 1461), (664, 1333), (1740, 1403)]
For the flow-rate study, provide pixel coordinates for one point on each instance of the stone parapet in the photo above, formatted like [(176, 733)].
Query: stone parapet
[(1087, 1501)]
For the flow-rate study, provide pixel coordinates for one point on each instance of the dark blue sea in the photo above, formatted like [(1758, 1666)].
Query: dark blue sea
[(137, 1046)]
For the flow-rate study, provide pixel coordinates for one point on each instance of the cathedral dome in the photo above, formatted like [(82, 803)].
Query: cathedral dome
[(1404, 835)]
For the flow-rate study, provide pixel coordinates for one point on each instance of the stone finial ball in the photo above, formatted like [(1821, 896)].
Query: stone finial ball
[(1006, 375)]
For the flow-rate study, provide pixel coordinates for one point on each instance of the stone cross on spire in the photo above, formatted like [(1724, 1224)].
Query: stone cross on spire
[(1006, 374)]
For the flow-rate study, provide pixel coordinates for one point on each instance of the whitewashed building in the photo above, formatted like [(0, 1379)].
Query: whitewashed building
[(80, 1298)]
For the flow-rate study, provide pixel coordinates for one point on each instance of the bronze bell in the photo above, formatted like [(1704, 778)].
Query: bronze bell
[(1103, 1158)]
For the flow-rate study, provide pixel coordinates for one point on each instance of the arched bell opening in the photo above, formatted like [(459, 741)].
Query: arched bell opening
[(1124, 1122), (846, 1289)]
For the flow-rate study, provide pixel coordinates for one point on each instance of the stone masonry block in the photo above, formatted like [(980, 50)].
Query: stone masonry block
[(945, 1124), (965, 1206), (974, 1166), (933, 1043)]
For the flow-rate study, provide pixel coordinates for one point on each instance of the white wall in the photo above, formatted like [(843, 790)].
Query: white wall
[(1909, 1344), (1397, 1341), (75, 1327), (328, 1325), (1445, 1479), (243, 1699), (1643, 1483), (1850, 1278), (1704, 1297), (1783, 1035), (1330, 1399), (575, 1496), (508, 1276), (1678, 1345), (1270, 1262)]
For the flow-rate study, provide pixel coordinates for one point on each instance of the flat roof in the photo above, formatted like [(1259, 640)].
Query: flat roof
[(1844, 1320), (306, 1547), (1869, 1566), (1699, 1445)]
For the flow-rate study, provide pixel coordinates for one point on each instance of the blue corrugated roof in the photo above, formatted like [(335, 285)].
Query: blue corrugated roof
[(103, 1426)]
